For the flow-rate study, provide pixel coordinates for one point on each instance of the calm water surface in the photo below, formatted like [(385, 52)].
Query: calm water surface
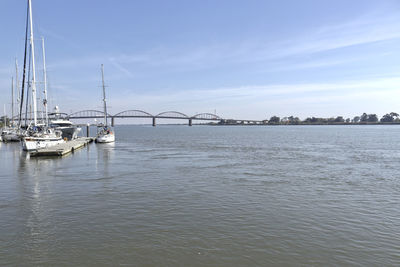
[(207, 196)]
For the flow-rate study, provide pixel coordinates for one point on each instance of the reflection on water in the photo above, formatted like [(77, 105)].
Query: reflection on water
[(104, 156), (201, 196)]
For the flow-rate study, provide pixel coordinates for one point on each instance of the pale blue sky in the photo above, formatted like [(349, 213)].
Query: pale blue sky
[(246, 59)]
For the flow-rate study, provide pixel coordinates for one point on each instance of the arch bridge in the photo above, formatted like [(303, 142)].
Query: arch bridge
[(135, 113)]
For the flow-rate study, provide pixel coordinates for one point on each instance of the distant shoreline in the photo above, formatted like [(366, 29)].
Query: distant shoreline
[(303, 124)]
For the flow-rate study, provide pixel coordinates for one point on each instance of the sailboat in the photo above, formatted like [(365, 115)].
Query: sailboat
[(39, 135), (105, 133)]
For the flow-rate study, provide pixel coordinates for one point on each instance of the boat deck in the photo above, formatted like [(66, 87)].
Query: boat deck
[(62, 149)]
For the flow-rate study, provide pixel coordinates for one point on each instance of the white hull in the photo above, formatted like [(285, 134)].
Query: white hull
[(11, 135), (106, 138), (35, 143), (11, 138)]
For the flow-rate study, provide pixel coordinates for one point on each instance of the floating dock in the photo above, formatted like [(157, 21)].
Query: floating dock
[(62, 149)]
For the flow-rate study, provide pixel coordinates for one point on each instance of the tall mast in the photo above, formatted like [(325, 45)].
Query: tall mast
[(33, 66), (5, 115), (21, 104), (104, 95), (16, 83), (45, 85), (12, 98), (28, 103)]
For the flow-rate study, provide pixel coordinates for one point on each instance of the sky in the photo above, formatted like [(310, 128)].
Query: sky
[(241, 59)]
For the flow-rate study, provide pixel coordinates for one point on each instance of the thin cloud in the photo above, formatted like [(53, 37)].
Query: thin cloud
[(67, 41), (279, 93), (366, 29), (346, 97), (120, 67), (361, 31), (73, 62)]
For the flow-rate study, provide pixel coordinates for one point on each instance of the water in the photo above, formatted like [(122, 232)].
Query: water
[(207, 196)]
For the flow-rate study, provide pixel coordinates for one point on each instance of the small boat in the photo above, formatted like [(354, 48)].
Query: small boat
[(105, 133)]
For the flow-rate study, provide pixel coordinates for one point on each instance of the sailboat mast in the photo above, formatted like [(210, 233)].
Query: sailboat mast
[(12, 99), (33, 66), (104, 95), (5, 115), (21, 104), (28, 102), (16, 83), (45, 85)]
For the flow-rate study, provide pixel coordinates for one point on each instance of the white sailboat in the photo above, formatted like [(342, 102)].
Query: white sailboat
[(105, 134), (39, 135)]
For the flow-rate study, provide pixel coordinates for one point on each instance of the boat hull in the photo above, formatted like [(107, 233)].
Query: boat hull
[(11, 138), (107, 138), (11, 135), (32, 143)]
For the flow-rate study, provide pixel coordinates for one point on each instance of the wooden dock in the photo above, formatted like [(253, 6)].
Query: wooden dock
[(62, 149)]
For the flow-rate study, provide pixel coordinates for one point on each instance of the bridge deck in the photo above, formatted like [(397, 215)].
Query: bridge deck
[(62, 149)]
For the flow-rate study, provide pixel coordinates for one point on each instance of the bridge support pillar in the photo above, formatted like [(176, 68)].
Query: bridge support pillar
[(190, 122), (112, 122), (154, 121), (87, 130)]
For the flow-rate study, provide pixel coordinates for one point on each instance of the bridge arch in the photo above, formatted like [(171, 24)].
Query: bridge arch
[(133, 113), (29, 115), (206, 116), (90, 113), (172, 115)]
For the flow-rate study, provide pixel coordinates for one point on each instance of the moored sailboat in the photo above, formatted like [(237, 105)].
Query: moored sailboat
[(39, 138), (39, 135), (105, 133)]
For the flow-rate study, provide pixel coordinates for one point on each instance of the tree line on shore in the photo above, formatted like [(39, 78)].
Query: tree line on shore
[(365, 118)]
